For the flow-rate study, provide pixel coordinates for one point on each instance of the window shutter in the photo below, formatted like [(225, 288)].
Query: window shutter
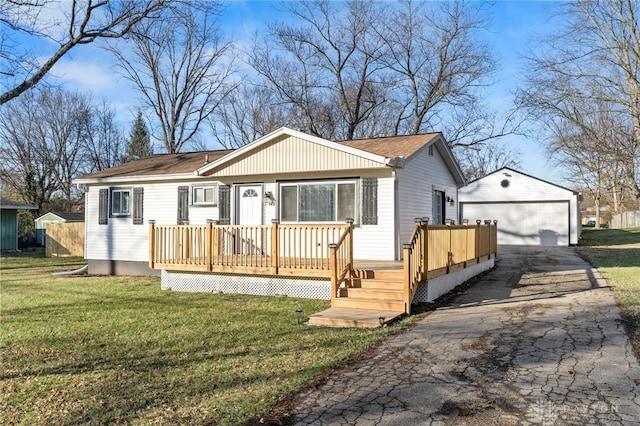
[(224, 205), (370, 201), (103, 206), (183, 204), (137, 206)]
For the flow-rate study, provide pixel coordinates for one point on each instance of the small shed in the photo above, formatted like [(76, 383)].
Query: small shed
[(54, 217), (9, 222), (529, 210)]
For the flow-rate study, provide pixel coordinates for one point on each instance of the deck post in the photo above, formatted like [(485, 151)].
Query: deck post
[(465, 222), (209, 244), (275, 246), (406, 249), (478, 222), (215, 243), (349, 222), (152, 243), (186, 246), (449, 253), (495, 224), (333, 269), (488, 223), (425, 247)]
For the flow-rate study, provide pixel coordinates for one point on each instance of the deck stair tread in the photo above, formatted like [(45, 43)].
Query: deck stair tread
[(369, 303), (375, 293), (359, 318)]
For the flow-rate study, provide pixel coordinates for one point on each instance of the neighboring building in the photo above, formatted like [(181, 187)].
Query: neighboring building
[(383, 184), (54, 217), (9, 223), (529, 211)]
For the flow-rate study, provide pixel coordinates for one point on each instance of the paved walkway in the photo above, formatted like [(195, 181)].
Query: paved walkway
[(538, 341)]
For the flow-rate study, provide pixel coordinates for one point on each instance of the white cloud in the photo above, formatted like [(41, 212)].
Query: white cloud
[(84, 75)]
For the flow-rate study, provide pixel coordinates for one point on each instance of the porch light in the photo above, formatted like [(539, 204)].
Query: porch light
[(381, 321), (298, 316)]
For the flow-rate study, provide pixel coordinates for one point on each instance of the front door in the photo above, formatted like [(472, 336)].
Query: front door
[(250, 205)]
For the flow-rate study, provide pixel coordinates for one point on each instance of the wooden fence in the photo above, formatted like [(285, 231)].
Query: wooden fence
[(625, 220), (65, 239)]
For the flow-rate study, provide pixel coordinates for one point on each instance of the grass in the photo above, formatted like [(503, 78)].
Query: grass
[(118, 350), (616, 254)]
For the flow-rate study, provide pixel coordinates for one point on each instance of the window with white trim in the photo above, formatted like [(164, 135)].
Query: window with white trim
[(205, 195), (120, 202), (318, 202)]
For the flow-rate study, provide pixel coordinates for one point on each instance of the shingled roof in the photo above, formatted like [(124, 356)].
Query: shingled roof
[(189, 162), (392, 146), (161, 164)]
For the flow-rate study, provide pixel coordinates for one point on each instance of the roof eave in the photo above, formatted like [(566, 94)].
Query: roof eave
[(134, 178)]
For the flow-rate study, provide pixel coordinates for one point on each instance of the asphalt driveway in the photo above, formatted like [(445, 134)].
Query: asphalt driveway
[(539, 340)]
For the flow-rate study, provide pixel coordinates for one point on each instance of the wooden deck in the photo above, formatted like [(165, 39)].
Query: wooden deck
[(362, 291)]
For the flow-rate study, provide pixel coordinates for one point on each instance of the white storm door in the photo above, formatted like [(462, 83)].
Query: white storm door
[(250, 205)]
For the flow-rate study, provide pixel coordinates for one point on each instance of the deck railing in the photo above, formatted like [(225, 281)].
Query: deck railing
[(341, 260), (254, 249), (436, 250)]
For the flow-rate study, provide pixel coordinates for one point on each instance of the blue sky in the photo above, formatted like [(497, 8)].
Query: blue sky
[(514, 23)]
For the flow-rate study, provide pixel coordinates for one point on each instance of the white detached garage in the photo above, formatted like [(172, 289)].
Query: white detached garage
[(529, 211)]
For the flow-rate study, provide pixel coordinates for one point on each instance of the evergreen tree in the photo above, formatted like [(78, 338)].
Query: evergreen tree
[(140, 141)]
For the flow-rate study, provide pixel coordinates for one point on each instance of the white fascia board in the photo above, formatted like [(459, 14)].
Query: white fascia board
[(141, 179), (290, 132)]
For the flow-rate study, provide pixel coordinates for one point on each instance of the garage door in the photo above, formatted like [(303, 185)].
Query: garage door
[(539, 224)]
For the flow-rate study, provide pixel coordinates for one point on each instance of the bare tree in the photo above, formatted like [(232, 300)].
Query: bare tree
[(326, 65), (481, 159), (248, 113), (66, 117), (105, 144), (82, 22), (44, 136), (588, 79), (439, 64), (181, 67), (26, 167)]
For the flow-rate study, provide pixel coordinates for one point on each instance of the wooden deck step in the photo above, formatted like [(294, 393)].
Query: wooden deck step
[(358, 318), (377, 283), (374, 293), (364, 303)]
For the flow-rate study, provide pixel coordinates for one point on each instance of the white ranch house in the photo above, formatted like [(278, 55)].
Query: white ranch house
[(227, 220)]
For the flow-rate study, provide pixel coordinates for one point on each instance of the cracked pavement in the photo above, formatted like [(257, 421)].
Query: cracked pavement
[(538, 340)]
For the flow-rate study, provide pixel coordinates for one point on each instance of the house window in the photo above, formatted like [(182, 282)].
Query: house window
[(317, 202), (120, 202), (205, 195)]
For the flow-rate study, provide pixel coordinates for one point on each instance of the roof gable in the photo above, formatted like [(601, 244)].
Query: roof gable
[(290, 151), (511, 185)]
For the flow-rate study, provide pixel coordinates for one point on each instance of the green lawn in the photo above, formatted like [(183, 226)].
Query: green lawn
[(616, 254), (118, 350)]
